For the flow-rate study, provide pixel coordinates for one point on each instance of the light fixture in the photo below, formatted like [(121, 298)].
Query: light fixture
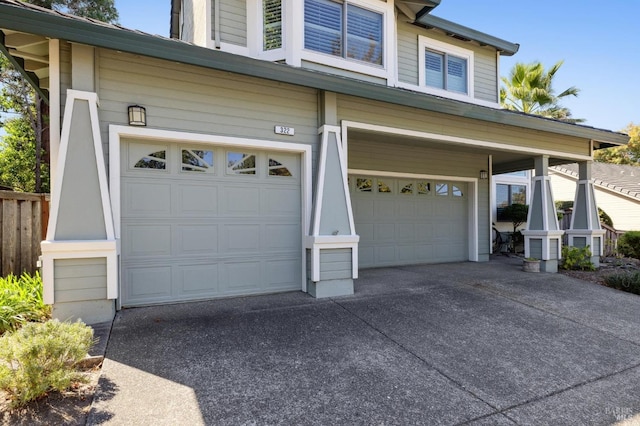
[(484, 174), (137, 115)]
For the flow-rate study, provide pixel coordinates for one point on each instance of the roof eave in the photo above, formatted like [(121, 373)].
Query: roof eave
[(54, 25), (505, 48)]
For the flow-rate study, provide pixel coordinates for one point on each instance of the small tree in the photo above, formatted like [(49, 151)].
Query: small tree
[(517, 214)]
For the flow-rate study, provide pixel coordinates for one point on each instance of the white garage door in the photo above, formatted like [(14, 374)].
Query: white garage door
[(405, 221), (201, 222)]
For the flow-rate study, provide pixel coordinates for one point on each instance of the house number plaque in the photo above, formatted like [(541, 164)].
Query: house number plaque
[(283, 130)]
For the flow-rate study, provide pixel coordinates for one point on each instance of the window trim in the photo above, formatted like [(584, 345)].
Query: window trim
[(424, 44), (354, 65), (506, 179)]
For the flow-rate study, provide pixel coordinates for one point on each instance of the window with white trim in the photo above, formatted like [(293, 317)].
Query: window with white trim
[(344, 29), (506, 195), (445, 68), (271, 24)]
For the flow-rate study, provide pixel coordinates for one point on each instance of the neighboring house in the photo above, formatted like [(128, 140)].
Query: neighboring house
[(279, 145), (617, 190)]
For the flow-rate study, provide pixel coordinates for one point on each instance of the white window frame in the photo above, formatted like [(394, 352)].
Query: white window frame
[(508, 179), (425, 43), (381, 71), (255, 32)]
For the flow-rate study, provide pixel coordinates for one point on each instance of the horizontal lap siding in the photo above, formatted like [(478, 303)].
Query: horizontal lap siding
[(335, 264), (233, 22), (65, 74), (401, 117), (192, 99), (80, 279), (485, 79), (407, 53)]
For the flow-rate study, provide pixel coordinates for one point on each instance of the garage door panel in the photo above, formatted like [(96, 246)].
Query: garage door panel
[(148, 199), (197, 279), (197, 200), (147, 240), (409, 220), (282, 237), (242, 238), (240, 277), (197, 239), (189, 234), (241, 201), (149, 282)]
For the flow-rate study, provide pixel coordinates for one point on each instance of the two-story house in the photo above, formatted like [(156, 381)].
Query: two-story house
[(277, 145)]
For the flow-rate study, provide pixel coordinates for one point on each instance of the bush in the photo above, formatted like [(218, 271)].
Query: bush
[(629, 244), (40, 357), (577, 258), (629, 282), (21, 301)]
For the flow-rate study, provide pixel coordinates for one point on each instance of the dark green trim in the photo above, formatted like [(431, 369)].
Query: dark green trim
[(18, 64), (28, 19), (459, 31)]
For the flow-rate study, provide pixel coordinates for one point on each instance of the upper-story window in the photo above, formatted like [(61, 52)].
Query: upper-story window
[(344, 29), (271, 24), (445, 68)]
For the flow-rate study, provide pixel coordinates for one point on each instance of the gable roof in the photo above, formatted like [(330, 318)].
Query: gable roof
[(620, 178), (22, 17)]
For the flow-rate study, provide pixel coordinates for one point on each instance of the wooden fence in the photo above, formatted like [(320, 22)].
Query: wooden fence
[(23, 224), (610, 243)]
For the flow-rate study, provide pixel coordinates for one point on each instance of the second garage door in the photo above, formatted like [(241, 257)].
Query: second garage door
[(406, 221), (205, 221)]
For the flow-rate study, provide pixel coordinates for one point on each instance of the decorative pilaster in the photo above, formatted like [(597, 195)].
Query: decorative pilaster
[(543, 236), (585, 227), (333, 232)]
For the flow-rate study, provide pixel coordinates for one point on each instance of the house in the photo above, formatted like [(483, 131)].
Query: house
[(277, 145), (617, 190)]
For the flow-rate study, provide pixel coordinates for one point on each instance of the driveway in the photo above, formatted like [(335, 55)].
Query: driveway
[(468, 343)]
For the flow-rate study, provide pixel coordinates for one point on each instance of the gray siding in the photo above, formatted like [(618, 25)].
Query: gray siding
[(80, 279), (396, 116), (65, 74), (485, 61), (233, 21), (192, 99), (335, 264), (535, 248), (342, 72)]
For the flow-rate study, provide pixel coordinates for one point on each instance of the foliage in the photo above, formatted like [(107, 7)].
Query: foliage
[(604, 217), (629, 282), (629, 244), (41, 357), (577, 258), (18, 158), (625, 154), (529, 89), (102, 10), (517, 214), (21, 301)]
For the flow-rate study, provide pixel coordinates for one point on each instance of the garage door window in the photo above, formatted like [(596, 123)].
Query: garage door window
[(241, 163), (197, 161), (456, 191), (276, 168), (442, 189), (364, 184), (406, 187), (383, 187), (424, 188), (155, 160)]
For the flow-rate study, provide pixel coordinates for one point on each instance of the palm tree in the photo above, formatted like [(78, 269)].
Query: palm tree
[(529, 89)]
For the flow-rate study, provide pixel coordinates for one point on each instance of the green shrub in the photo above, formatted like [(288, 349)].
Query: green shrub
[(21, 301), (40, 357), (577, 258), (629, 244), (629, 282)]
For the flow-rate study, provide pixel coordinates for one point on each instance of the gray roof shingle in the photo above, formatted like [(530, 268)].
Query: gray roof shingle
[(616, 177)]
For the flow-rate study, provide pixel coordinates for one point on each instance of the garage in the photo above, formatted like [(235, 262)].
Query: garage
[(206, 221), (410, 220)]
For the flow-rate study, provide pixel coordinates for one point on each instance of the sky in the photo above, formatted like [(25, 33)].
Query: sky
[(599, 42)]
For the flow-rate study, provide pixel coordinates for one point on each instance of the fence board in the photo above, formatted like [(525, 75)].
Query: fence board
[(610, 243), (23, 219)]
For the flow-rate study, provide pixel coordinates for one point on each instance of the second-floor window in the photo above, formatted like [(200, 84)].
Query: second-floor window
[(272, 24), (343, 29), (445, 68)]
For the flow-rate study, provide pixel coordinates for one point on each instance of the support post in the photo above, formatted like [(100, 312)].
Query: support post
[(585, 229), (543, 236)]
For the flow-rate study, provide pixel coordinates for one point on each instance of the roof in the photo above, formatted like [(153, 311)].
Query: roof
[(18, 16), (621, 178), (461, 32)]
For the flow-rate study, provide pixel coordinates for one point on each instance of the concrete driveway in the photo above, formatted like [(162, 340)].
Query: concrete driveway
[(480, 344)]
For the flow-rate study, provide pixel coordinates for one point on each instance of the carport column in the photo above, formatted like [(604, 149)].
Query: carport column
[(585, 227), (332, 246), (542, 238)]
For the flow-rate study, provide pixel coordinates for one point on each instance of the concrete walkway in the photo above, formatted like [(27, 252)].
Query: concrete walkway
[(480, 344)]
